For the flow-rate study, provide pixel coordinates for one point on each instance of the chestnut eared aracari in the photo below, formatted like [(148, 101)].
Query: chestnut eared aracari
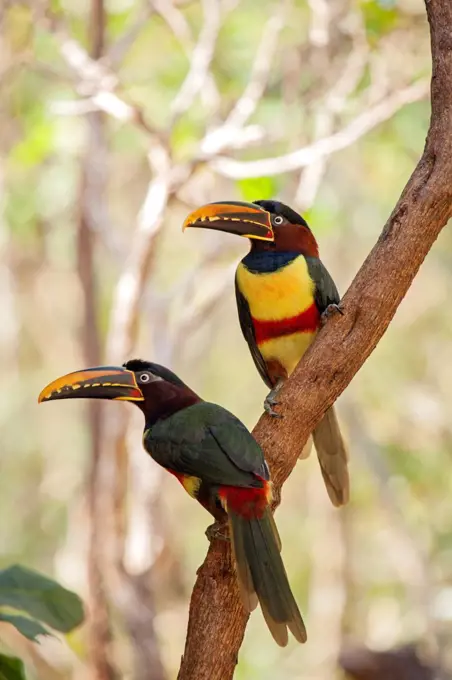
[(217, 461), (283, 292)]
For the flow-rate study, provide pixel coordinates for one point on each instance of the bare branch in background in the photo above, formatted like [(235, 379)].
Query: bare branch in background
[(335, 100), (97, 84), (119, 49), (319, 28), (217, 619), (176, 21), (294, 160), (232, 128), (200, 60), (179, 26), (124, 316)]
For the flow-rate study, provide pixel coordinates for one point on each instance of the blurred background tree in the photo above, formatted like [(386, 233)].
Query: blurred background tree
[(116, 119)]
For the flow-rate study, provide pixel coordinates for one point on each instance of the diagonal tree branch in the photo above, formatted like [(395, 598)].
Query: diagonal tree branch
[(217, 620)]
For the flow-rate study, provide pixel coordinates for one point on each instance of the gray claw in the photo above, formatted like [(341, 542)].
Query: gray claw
[(330, 311), (270, 401), (268, 407)]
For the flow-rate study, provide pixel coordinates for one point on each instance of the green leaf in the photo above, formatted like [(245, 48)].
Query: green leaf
[(41, 598), (379, 18), (28, 627), (257, 188), (11, 668), (36, 145)]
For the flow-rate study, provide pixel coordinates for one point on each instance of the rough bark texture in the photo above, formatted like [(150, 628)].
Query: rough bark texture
[(217, 621)]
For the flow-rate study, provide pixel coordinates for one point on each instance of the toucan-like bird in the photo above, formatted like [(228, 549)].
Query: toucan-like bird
[(217, 461), (282, 290)]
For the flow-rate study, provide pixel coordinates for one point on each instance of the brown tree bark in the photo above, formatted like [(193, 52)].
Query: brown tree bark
[(217, 620)]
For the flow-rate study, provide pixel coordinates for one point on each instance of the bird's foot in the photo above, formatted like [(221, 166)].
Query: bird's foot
[(330, 311), (214, 532), (271, 401)]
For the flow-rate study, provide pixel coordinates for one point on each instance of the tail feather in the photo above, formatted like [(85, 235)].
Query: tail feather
[(275, 531), (333, 458), (306, 450), (278, 630), (257, 555), (246, 587)]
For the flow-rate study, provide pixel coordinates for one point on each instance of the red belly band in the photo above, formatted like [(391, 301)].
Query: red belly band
[(307, 321)]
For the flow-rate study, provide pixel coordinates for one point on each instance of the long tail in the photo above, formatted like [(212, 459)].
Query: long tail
[(333, 457), (262, 575)]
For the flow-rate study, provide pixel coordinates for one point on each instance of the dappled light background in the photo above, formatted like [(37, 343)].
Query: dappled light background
[(116, 120)]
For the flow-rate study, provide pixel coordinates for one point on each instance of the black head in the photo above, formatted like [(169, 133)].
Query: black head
[(277, 208), (156, 390), (141, 367), (270, 225)]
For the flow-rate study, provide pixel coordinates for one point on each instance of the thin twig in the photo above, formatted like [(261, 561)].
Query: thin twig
[(200, 61), (295, 160), (232, 128), (332, 104)]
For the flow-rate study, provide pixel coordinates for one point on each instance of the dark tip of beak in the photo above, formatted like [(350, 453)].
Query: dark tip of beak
[(233, 217)]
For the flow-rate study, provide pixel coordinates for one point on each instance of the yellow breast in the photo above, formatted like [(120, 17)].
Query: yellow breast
[(277, 295), (287, 350)]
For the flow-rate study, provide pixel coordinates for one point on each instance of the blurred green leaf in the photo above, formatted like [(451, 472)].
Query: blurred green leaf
[(40, 597), (379, 18), (11, 668), (257, 188), (36, 144), (117, 22), (28, 627), (184, 134)]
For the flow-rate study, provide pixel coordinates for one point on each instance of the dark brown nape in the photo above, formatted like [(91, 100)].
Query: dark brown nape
[(162, 399)]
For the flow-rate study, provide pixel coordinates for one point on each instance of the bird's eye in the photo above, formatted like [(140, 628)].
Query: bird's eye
[(144, 377), (278, 219)]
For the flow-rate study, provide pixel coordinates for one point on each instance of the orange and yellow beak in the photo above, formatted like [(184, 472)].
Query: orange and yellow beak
[(101, 382), (233, 217)]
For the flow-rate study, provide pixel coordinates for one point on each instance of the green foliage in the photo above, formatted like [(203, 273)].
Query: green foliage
[(36, 143), (256, 188), (379, 17), (28, 627), (41, 599), (11, 668)]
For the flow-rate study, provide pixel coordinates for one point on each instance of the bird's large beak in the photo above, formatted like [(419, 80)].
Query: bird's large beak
[(101, 382), (234, 217)]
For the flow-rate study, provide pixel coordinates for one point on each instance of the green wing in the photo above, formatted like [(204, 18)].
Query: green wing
[(246, 324), (326, 292), (208, 442)]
